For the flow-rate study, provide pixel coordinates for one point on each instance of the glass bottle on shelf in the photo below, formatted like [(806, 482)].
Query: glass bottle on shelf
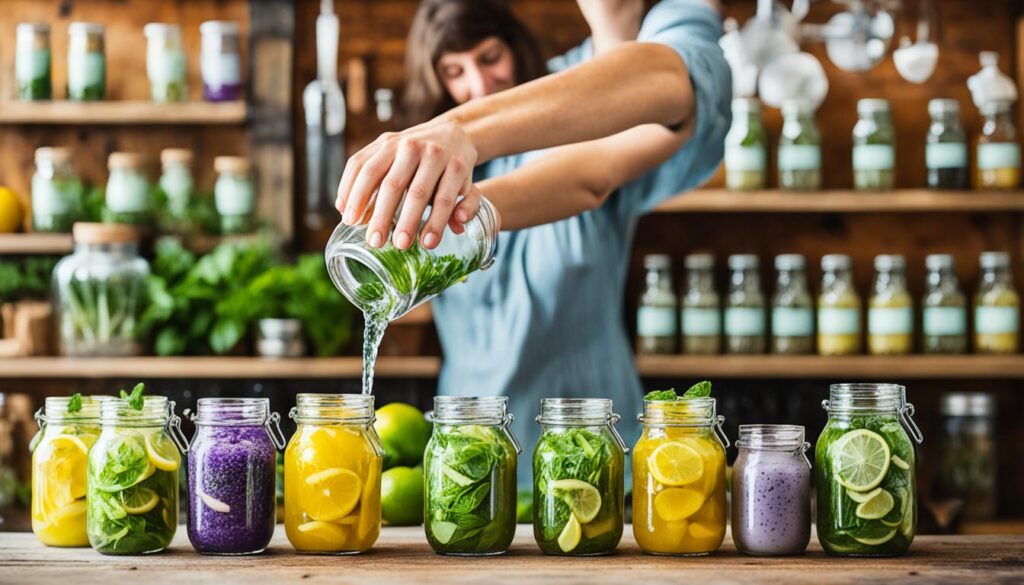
[(890, 309), (656, 320), (701, 307), (165, 62), (33, 61), (234, 194), (944, 321), (745, 147), (56, 191), (87, 62), (792, 308), (744, 309), (999, 160), (968, 463), (946, 149), (799, 148), (839, 305), (996, 307), (220, 62), (176, 183), (127, 197), (874, 147)]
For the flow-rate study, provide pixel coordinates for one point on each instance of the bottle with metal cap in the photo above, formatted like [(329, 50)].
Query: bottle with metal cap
[(701, 307), (746, 147), (999, 159), (799, 148), (968, 463), (792, 308), (946, 150), (890, 309), (874, 147), (944, 321), (56, 191), (744, 309), (996, 307), (839, 308), (656, 318)]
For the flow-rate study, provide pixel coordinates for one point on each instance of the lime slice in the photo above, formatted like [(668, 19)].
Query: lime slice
[(876, 541), (214, 504), (455, 476), (861, 497), (900, 463), (443, 531), (161, 453), (139, 501), (569, 539), (860, 459), (907, 528), (877, 507), (582, 498)]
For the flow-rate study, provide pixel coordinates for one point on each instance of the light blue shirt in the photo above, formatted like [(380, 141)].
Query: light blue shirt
[(546, 320)]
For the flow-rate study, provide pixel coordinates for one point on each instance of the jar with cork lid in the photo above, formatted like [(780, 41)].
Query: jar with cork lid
[(128, 198), (234, 194)]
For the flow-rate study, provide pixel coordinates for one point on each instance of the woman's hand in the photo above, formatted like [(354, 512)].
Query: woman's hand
[(429, 164), (612, 22)]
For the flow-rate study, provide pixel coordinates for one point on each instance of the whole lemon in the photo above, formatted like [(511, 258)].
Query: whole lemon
[(11, 213)]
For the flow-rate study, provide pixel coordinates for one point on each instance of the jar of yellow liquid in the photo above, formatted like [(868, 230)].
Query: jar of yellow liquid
[(999, 158), (332, 469), (68, 426), (679, 478), (996, 307), (839, 331), (890, 310)]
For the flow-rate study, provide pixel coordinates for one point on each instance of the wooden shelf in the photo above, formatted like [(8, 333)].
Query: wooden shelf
[(122, 112), (56, 244), (900, 201)]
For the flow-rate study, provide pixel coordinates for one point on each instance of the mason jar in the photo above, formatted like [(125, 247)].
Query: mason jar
[(745, 147), (56, 191), (701, 316), (578, 478), (874, 147), (866, 471), (165, 62), (220, 62), (999, 160), (799, 148), (744, 307), (234, 194), (839, 329), (177, 183), (87, 62), (996, 307), (969, 457), (890, 309), (33, 61), (657, 327), (127, 197), (944, 322), (792, 308), (469, 470), (946, 147)]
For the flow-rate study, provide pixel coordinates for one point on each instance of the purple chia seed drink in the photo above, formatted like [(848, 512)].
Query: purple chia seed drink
[(771, 491), (231, 476)]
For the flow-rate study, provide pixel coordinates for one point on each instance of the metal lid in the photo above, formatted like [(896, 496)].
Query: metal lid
[(790, 262), (125, 160), (969, 404), (157, 29), (104, 233), (699, 261), (886, 262), (940, 106), (657, 262), (55, 154), (994, 259), (836, 262), (939, 261), (868, 106), (77, 28), (222, 27), (176, 155), (232, 164)]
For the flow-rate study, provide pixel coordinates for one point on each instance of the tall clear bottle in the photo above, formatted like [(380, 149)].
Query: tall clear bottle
[(792, 308), (701, 307), (996, 307), (839, 306), (944, 322), (999, 157), (744, 310), (746, 147), (891, 309), (799, 148), (656, 323), (874, 147), (946, 150)]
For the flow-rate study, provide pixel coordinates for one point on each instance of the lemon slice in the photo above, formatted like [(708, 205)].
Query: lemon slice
[(702, 531), (676, 464), (877, 507), (214, 504), (70, 442), (569, 539), (582, 498), (675, 504), (72, 510), (159, 456), (860, 459), (876, 541), (861, 497), (139, 501), (323, 535), (900, 463), (331, 494)]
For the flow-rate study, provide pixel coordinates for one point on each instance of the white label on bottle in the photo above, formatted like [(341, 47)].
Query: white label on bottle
[(220, 69), (701, 322), (873, 157), (999, 155), (792, 322), (949, 155), (127, 192), (164, 66), (47, 200), (890, 320), (744, 321), (838, 321), (995, 320), (945, 321), (656, 322), (233, 196), (31, 65), (799, 157), (744, 158), (85, 70)]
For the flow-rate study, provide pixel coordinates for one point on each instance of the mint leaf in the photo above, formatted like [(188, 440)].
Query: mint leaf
[(135, 399), (669, 394), (699, 390), (75, 404)]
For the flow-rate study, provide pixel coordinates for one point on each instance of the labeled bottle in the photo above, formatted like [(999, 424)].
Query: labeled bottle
[(968, 464), (87, 62), (128, 198), (656, 325), (746, 147), (874, 147), (944, 321), (33, 61), (165, 62), (56, 191), (999, 159), (799, 148), (792, 308), (177, 184), (839, 306), (946, 149), (234, 194), (996, 307), (220, 62), (744, 308), (890, 309), (701, 307)]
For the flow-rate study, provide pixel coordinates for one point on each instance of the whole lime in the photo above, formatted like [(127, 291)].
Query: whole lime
[(401, 496), (404, 431)]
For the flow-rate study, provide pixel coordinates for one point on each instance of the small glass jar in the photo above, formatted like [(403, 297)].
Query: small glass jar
[(87, 62), (128, 198), (944, 322), (234, 194), (999, 160), (99, 292), (165, 62), (33, 61), (59, 464), (701, 308), (799, 148), (866, 471), (176, 183), (578, 478), (56, 191), (968, 468), (890, 309), (746, 147), (771, 491), (679, 478), (469, 471), (792, 308), (874, 147), (133, 483), (996, 307), (946, 150), (232, 471), (332, 473), (744, 307), (839, 305), (656, 322), (220, 62)]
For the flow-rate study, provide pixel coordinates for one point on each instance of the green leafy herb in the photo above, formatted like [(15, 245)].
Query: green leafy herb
[(698, 390), (135, 400), (27, 278), (75, 404), (661, 395)]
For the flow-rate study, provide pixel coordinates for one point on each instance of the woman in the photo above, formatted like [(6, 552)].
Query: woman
[(643, 120)]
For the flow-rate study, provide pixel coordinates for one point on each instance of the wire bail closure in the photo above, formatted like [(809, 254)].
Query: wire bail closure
[(612, 421), (274, 424), (803, 453), (505, 422), (907, 419), (720, 431), (174, 428)]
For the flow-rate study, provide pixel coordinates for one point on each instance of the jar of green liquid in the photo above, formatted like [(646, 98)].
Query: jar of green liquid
[(890, 309), (945, 308), (33, 61), (701, 307), (946, 149), (839, 306), (792, 308), (996, 307), (799, 148), (744, 309), (745, 147), (874, 147)]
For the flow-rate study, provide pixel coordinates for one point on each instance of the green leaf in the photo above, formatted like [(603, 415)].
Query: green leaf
[(699, 390), (75, 404), (669, 394), (135, 400)]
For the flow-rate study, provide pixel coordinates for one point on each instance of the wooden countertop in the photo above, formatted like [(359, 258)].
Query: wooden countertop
[(402, 556)]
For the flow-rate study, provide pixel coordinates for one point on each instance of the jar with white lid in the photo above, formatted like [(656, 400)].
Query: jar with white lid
[(127, 197)]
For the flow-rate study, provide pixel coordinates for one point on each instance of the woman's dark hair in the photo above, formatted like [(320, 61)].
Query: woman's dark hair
[(442, 26)]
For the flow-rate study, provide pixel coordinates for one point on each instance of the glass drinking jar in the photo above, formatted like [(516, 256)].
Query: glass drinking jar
[(839, 330), (656, 322), (33, 61), (996, 307), (744, 308), (56, 191), (874, 147), (771, 491), (232, 472), (890, 309), (944, 321), (234, 194), (946, 149), (99, 292), (866, 476), (578, 503), (792, 308), (132, 484), (968, 470), (127, 197), (165, 62), (701, 308), (469, 471), (177, 184), (998, 165), (332, 472), (220, 61), (799, 148), (745, 147), (87, 62)]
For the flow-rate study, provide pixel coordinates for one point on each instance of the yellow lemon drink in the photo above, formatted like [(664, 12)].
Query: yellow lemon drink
[(332, 471)]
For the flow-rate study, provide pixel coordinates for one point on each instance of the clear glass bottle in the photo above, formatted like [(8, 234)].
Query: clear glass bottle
[(33, 61), (99, 292), (656, 324), (177, 185), (234, 194), (744, 307), (799, 148), (792, 308), (56, 191), (87, 62), (946, 147), (996, 307), (220, 61), (999, 160), (128, 197), (874, 147), (469, 471), (701, 317), (890, 309), (839, 306), (165, 62), (944, 322), (968, 468), (866, 471), (578, 478), (746, 147)]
